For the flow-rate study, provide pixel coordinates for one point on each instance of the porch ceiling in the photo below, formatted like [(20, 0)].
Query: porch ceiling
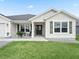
[(20, 21)]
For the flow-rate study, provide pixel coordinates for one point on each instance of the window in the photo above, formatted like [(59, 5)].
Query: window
[(22, 29), (57, 26), (70, 27), (51, 27), (61, 27), (17, 27), (7, 25), (27, 28), (64, 26)]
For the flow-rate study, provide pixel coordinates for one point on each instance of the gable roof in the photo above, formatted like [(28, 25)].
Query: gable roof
[(30, 17), (21, 17), (56, 12), (69, 14), (64, 13), (43, 13), (5, 17)]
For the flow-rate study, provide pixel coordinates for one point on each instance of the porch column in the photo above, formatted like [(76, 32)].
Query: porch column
[(33, 28), (30, 27)]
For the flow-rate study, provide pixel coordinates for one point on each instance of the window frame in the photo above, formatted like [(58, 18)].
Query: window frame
[(64, 27), (22, 28), (59, 27), (18, 27), (27, 28)]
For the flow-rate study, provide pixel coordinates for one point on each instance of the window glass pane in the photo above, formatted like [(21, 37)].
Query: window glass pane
[(39, 27), (51, 27), (22, 29), (17, 27), (57, 26), (27, 28), (64, 29), (64, 26), (70, 27)]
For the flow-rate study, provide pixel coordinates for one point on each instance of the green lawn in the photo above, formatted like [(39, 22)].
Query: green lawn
[(39, 50)]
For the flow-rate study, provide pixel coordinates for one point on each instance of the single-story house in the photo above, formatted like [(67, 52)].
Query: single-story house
[(50, 24)]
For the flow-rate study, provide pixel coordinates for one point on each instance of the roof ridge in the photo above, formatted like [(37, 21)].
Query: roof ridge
[(19, 15)]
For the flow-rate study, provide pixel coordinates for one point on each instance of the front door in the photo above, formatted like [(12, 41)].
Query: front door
[(38, 29)]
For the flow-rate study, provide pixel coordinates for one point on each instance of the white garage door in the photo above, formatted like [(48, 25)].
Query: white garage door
[(2, 30)]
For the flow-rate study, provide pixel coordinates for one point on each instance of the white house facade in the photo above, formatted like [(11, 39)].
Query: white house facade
[(5, 26), (51, 24)]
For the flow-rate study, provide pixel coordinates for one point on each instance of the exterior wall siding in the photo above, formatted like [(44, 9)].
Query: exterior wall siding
[(13, 29), (7, 26), (61, 18)]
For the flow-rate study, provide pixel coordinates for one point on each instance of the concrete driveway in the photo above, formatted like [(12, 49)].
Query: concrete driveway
[(3, 43)]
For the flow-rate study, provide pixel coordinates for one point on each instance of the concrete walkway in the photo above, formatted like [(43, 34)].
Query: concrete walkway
[(24, 39), (3, 43), (39, 39)]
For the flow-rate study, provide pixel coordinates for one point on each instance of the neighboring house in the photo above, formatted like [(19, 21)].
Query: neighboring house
[(51, 24), (77, 27)]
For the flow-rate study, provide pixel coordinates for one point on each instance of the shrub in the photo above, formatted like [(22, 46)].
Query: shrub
[(20, 33)]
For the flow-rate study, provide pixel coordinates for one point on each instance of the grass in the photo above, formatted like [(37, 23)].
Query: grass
[(39, 50), (77, 37)]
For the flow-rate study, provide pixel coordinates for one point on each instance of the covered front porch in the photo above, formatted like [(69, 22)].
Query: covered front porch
[(19, 26), (38, 29), (33, 29)]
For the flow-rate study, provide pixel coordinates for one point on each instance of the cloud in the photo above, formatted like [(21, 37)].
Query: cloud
[(2, 0), (75, 5), (30, 6)]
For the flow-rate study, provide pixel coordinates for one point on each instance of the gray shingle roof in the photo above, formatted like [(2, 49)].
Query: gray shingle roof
[(21, 17)]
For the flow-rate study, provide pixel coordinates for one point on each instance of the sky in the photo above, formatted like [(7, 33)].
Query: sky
[(16, 7)]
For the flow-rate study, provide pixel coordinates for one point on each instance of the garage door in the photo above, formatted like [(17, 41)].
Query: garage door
[(2, 30)]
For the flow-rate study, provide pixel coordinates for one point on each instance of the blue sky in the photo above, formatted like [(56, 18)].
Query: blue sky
[(15, 7)]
